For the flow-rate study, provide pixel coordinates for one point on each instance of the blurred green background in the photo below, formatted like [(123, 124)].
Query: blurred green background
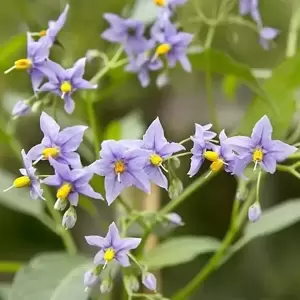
[(267, 268)]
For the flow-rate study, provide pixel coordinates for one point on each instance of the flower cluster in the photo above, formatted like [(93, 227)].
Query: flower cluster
[(145, 54), (266, 34), (60, 81)]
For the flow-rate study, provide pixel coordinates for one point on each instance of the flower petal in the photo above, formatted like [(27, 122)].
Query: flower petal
[(49, 127), (128, 244), (69, 104), (262, 131), (169, 149), (36, 152), (123, 260), (113, 188), (72, 159), (89, 192), (113, 235), (70, 138), (268, 163), (99, 258), (280, 150), (156, 176), (53, 180), (240, 144), (73, 198), (196, 163), (95, 240)]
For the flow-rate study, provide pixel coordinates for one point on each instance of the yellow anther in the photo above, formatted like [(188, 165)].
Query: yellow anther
[(119, 167), (258, 155), (50, 152), (66, 87), (160, 3), (211, 155), (23, 64), (162, 49), (217, 165), (21, 182), (156, 160), (64, 191), (109, 254), (42, 33)]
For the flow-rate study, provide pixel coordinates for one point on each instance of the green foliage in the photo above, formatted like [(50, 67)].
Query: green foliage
[(5, 290), (187, 248), (51, 276), (229, 86)]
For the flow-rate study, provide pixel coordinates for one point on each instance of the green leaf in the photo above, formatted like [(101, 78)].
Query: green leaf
[(113, 131), (272, 220), (229, 86), (18, 199), (222, 63), (5, 291), (132, 126), (281, 88), (187, 248), (51, 276)]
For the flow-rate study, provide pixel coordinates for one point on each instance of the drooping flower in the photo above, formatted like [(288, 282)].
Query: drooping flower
[(91, 277), (221, 156), (65, 82), (35, 63), (202, 143), (28, 179), (20, 109), (122, 167), (175, 219), (59, 145), (259, 148), (127, 32), (254, 212), (142, 65), (112, 247), (167, 8), (172, 44), (267, 35), (250, 7), (149, 281), (159, 149), (69, 218), (71, 183), (54, 27)]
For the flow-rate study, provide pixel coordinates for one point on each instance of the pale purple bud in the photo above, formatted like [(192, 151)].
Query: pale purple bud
[(20, 109), (254, 212), (90, 279), (69, 218), (174, 219), (149, 281)]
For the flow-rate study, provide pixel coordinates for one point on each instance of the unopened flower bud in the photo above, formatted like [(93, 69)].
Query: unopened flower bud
[(106, 286), (162, 80), (60, 204), (69, 218), (254, 212), (149, 281), (36, 106), (175, 188), (174, 219), (90, 279), (20, 109), (133, 283)]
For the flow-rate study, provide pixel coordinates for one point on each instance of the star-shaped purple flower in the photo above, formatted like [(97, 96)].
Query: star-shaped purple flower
[(172, 44), (122, 167), (60, 145), (112, 247), (28, 179), (65, 82), (159, 149), (35, 63), (259, 148), (71, 183), (201, 141), (142, 65), (127, 32)]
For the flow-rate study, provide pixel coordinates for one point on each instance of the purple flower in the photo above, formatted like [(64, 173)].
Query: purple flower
[(159, 149), (167, 8), (122, 167), (71, 183), (149, 281), (112, 247), (201, 140), (54, 27), (21, 109), (65, 82), (175, 219), (267, 34), (59, 145), (172, 44), (35, 63), (142, 65), (127, 32), (28, 179), (259, 148), (254, 212), (250, 7), (91, 278)]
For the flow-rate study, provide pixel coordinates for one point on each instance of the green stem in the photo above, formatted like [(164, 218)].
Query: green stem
[(93, 123), (217, 258), (292, 40), (185, 141), (178, 155), (258, 186)]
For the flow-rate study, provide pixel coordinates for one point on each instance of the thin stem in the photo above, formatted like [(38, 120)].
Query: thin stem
[(93, 123), (258, 185), (292, 40), (217, 258), (185, 141), (178, 155)]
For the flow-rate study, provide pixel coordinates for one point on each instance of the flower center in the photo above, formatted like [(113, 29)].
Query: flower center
[(162, 49), (109, 254), (155, 159), (21, 182), (131, 31), (160, 2), (211, 155), (23, 64), (50, 152), (64, 191), (66, 87), (258, 155), (217, 165), (119, 167), (42, 33)]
